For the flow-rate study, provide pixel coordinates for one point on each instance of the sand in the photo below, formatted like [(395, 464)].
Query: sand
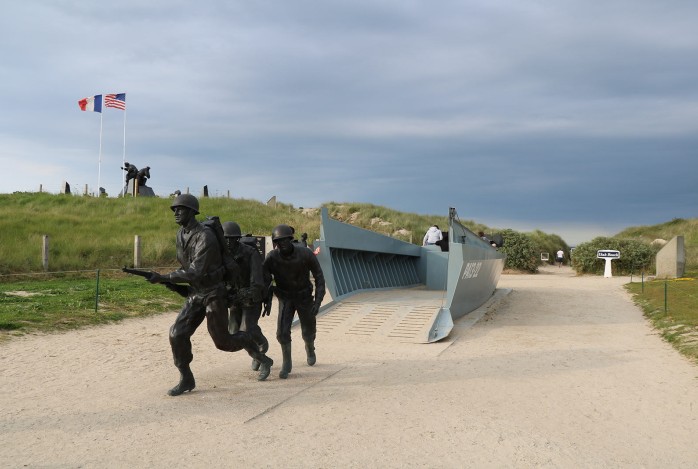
[(564, 371)]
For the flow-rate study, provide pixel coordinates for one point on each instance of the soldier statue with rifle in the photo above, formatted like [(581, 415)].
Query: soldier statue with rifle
[(131, 171), (245, 292), (202, 280)]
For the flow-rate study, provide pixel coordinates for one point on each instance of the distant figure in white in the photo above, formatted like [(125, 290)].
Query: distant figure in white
[(560, 257), (432, 236)]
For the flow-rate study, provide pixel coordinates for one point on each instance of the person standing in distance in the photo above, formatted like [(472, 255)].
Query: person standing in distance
[(560, 257), (200, 255), (289, 267), (245, 293), (432, 236)]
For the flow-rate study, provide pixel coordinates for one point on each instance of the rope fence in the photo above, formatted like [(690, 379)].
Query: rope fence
[(670, 294)]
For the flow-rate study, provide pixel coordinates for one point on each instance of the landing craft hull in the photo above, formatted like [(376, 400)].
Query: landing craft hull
[(422, 289), (474, 268)]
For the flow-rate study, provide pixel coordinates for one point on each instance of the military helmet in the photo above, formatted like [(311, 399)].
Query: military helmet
[(186, 200), (281, 232), (231, 230)]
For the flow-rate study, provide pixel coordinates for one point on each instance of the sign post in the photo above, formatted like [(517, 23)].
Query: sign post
[(608, 255)]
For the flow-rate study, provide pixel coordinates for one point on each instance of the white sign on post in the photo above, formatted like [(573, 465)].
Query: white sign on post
[(608, 255)]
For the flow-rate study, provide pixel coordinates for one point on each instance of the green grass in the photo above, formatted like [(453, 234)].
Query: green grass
[(98, 233), (678, 325), (672, 307), (67, 301)]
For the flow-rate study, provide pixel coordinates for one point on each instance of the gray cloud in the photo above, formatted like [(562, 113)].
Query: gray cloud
[(575, 117)]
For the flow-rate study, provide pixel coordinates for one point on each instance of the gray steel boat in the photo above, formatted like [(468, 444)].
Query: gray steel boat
[(383, 286)]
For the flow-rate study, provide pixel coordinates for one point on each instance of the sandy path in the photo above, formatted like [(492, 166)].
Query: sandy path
[(563, 372)]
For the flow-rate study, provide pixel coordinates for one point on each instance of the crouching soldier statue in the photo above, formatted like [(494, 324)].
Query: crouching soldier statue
[(203, 270), (245, 292), (289, 266)]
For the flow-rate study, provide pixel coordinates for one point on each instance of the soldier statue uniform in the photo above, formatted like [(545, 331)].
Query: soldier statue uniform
[(199, 253), (289, 266), (131, 171), (246, 292)]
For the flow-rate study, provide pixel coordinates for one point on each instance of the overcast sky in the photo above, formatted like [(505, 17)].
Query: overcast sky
[(578, 118)]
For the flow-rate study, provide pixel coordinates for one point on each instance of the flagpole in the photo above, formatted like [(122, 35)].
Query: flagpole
[(99, 166), (123, 158)]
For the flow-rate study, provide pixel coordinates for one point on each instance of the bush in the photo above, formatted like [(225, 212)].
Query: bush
[(520, 251), (634, 256), (550, 243)]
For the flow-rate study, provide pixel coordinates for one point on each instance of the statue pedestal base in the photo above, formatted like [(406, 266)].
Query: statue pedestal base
[(143, 191)]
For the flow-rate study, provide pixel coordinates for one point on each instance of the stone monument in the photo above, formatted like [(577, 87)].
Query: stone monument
[(671, 259)]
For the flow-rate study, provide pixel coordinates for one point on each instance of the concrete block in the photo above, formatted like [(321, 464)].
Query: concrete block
[(671, 259)]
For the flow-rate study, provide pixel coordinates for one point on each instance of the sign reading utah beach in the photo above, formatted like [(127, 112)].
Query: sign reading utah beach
[(607, 254)]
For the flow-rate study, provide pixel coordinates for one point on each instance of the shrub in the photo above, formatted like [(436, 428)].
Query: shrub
[(550, 243), (634, 256), (520, 251)]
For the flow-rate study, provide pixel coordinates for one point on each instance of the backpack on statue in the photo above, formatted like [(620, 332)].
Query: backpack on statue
[(232, 271)]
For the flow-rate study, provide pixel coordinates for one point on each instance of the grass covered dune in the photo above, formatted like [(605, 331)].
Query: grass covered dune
[(87, 233)]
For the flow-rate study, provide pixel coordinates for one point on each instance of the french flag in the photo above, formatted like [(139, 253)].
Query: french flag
[(92, 104)]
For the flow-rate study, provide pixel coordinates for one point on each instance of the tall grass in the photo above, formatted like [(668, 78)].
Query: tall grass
[(87, 233), (391, 222), (688, 228)]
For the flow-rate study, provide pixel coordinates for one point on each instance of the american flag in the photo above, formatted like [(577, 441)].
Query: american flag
[(117, 101)]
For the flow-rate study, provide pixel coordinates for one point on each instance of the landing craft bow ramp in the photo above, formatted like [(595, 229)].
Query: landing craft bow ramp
[(384, 288)]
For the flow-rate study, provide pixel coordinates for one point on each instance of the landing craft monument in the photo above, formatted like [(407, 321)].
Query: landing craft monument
[(381, 285)]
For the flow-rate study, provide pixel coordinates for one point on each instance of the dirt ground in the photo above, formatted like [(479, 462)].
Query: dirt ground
[(562, 372)]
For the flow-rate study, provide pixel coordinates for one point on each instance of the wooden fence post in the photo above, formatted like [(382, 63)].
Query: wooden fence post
[(137, 252), (44, 252)]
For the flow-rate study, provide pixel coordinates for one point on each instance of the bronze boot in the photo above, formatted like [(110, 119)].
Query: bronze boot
[(310, 352), (263, 347), (265, 364), (186, 382), (286, 365)]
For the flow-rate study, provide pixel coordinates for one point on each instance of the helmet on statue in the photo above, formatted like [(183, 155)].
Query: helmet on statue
[(231, 230), (186, 200), (280, 232)]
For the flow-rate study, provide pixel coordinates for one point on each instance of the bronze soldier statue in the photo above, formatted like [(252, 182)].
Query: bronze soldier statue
[(246, 292), (289, 266), (143, 175), (131, 171), (203, 270)]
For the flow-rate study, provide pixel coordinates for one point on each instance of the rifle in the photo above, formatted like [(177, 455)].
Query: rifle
[(182, 290)]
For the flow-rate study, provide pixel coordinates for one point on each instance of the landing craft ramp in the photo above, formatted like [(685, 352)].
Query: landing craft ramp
[(403, 315), (384, 287)]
